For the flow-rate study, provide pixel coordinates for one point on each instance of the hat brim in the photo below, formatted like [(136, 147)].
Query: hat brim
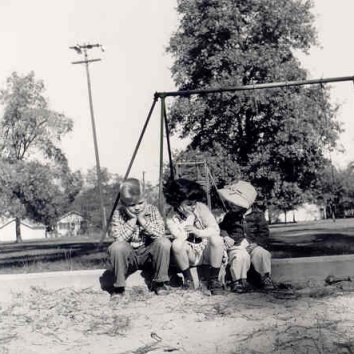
[(234, 198)]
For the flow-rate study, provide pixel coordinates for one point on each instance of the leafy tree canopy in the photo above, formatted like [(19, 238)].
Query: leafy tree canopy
[(28, 126), (87, 201), (277, 137), (37, 182), (32, 190)]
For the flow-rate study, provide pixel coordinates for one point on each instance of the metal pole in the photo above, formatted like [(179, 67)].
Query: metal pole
[(129, 166), (333, 205), (172, 172), (207, 186), (161, 201), (98, 167), (255, 86)]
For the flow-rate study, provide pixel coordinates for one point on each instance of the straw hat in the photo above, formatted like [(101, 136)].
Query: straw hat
[(242, 194)]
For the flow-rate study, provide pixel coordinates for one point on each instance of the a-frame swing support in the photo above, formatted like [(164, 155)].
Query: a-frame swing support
[(164, 123)]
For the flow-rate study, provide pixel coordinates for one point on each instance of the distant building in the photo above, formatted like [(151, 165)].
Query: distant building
[(304, 212), (29, 230), (70, 224)]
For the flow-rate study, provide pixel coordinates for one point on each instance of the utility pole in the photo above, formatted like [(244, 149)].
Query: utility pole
[(82, 49)]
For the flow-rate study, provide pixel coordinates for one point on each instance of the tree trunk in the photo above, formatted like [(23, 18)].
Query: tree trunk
[(285, 216), (18, 230), (269, 216)]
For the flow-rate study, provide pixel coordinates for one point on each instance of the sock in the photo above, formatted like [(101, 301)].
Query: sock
[(119, 290), (214, 273), (187, 274)]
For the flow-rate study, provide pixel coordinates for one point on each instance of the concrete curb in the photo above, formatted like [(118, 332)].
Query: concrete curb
[(294, 270), (298, 270), (77, 280)]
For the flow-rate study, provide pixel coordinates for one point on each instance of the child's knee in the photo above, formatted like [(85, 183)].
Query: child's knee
[(261, 252), (178, 245), (163, 243), (118, 247), (244, 257), (240, 258), (216, 241)]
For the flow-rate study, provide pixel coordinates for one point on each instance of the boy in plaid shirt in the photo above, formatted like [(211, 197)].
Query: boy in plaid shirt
[(139, 233)]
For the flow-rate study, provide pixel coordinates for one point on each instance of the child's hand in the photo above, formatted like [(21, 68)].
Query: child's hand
[(190, 229), (176, 230), (141, 217), (130, 214), (142, 213), (251, 247), (229, 242), (185, 211)]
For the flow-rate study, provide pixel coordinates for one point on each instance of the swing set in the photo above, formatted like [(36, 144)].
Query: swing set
[(164, 127)]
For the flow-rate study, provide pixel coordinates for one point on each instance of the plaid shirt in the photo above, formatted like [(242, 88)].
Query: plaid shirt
[(137, 235)]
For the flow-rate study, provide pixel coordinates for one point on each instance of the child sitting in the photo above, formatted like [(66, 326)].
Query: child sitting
[(195, 232), (245, 233), (139, 233)]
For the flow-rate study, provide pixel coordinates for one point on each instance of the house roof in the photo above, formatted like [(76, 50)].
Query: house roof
[(72, 212), (28, 223)]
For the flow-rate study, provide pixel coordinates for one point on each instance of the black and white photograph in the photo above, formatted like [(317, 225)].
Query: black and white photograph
[(176, 176)]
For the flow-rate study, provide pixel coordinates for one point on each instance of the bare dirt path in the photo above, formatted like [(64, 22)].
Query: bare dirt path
[(87, 321)]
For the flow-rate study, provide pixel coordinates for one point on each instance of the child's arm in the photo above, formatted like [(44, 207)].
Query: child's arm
[(176, 229), (211, 227), (122, 229), (152, 222), (228, 241)]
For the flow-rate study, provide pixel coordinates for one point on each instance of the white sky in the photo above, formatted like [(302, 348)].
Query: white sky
[(36, 35)]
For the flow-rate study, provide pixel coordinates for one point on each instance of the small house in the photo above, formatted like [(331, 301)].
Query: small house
[(304, 212), (70, 224)]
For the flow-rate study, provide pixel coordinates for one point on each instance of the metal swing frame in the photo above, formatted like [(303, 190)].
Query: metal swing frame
[(165, 129)]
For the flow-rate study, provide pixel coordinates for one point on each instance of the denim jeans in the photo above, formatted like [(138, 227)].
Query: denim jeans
[(125, 259)]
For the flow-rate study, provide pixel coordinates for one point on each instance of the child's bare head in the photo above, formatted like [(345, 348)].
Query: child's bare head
[(183, 191), (131, 191)]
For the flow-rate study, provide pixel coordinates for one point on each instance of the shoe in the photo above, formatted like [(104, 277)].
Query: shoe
[(161, 289), (188, 284), (238, 287), (215, 287), (268, 284), (117, 293)]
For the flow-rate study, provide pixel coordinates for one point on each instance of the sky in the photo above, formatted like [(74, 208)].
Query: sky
[(36, 35)]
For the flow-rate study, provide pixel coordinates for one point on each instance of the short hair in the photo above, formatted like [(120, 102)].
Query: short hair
[(131, 190), (176, 191)]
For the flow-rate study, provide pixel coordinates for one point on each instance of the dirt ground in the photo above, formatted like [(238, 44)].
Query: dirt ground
[(308, 320)]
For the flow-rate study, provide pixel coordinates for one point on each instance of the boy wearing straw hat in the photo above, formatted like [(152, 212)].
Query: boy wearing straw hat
[(245, 233)]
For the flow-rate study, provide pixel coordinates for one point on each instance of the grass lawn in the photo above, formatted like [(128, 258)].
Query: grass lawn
[(302, 239), (316, 238)]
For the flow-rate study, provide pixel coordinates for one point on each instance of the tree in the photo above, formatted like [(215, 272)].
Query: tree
[(277, 137), (224, 170), (39, 183), (31, 189), (335, 190), (87, 203)]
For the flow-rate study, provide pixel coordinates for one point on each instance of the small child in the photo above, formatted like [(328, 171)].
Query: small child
[(195, 232), (139, 233), (245, 233)]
